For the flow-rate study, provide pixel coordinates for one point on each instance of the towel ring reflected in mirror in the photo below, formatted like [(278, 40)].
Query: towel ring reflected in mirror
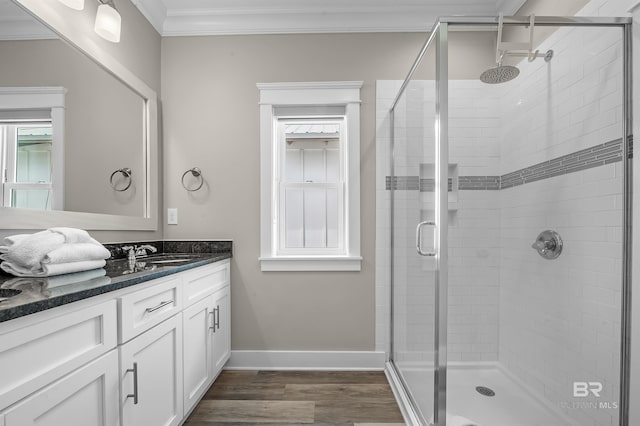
[(197, 173), (126, 172)]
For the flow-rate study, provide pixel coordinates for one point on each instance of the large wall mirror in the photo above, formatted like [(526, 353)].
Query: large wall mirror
[(78, 131)]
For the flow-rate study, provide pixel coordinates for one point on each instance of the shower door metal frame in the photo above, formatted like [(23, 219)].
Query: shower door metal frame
[(439, 36)]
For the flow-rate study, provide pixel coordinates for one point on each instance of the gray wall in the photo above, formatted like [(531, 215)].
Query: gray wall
[(211, 121)]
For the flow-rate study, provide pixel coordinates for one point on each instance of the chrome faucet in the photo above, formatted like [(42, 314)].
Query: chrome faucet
[(142, 250), (138, 251)]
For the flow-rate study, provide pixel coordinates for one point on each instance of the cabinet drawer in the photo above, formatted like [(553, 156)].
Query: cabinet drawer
[(87, 396), (143, 309), (202, 281), (34, 356)]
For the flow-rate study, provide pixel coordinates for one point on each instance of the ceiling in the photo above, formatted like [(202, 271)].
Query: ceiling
[(211, 17)]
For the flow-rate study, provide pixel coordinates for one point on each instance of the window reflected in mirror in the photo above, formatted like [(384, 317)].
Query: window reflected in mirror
[(27, 164)]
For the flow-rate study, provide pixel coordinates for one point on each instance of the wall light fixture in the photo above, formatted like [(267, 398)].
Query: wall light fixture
[(108, 21)]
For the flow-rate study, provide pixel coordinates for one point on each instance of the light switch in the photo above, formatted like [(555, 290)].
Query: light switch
[(172, 216)]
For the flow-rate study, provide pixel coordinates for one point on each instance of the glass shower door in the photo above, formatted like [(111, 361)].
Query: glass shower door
[(414, 262)]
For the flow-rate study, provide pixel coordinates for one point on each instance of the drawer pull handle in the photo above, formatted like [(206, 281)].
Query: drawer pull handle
[(134, 395), (160, 306), (217, 323)]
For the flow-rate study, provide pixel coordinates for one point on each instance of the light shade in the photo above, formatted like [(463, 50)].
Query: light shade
[(108, 23), (73, 4)]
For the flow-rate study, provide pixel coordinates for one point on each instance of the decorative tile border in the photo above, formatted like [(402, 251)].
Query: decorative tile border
[(471, 183), (413, 183), (403, 183), (599, 155)]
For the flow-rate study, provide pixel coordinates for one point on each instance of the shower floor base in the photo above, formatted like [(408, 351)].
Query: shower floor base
[(512, 404)]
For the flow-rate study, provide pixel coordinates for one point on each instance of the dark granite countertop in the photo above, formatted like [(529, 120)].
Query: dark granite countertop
[(39, 294)]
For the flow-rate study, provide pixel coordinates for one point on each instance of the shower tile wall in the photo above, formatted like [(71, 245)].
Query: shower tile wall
[(474, 224), (548, 323), (474, 216), (560, 320)]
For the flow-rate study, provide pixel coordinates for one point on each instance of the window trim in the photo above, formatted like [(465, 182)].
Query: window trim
[(309, 94)]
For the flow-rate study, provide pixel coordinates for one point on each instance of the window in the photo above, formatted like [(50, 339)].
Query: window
[(32, 147), (27, 164), (310, 176), (311, 186)]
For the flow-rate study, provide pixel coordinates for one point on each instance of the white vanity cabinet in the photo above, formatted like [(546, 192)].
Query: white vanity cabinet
[(88, 396), (151, 354), (206, 327), (221, 336), (34, 354), (151, 372), (140, 356)]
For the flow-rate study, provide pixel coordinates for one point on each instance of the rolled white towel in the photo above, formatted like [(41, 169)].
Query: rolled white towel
[(29, 251), (47, 270), (74, 235), (67, 253), (11, 240)]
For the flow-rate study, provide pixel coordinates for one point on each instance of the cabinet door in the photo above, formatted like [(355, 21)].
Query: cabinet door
[(221, 345), (151, 376), (88, 396), (198, 325)]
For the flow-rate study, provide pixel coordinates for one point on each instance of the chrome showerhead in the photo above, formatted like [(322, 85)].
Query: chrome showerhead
[(499, 74)]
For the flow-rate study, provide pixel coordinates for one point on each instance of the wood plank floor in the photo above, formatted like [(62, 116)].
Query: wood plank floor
[(344, 398)]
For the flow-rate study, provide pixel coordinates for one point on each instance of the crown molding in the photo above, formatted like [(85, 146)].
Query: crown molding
[(17, 24), (314, 17), (24, 30)]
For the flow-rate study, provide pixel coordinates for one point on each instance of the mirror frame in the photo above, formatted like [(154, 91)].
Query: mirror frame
[(13, 218)]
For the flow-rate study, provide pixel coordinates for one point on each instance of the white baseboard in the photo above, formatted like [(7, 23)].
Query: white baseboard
[(306, 360)]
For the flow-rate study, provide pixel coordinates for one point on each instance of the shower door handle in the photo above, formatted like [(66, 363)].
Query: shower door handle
[(421, 252)]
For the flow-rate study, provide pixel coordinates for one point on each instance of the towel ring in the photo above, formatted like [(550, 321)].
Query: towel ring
[(126, 172), (196, 172)]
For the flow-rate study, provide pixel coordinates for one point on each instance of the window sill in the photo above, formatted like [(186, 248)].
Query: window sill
[(310, 263)]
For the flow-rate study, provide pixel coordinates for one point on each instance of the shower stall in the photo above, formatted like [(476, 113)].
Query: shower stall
[(509, 204)]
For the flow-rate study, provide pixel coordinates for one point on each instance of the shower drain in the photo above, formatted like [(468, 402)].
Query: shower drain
[(482, 390)]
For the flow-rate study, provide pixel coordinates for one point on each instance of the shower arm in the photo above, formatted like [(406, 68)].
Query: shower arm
[(531, 56), (518, 49)]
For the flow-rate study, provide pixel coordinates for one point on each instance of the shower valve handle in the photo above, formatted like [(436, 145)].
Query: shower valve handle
[(419, 249), (548, 244)]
